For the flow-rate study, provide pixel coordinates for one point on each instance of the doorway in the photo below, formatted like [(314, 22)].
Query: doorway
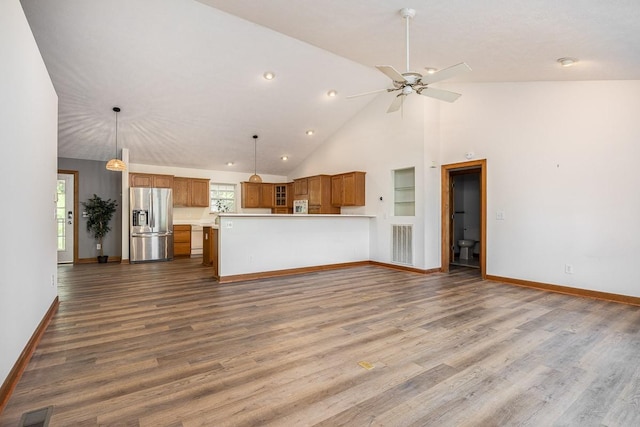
[(451, 233), (66, 216)]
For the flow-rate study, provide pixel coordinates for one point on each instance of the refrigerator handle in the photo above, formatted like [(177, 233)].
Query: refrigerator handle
[(152, 220)]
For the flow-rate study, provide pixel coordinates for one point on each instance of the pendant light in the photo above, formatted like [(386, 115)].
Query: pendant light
[(116, 164), (255, 177)]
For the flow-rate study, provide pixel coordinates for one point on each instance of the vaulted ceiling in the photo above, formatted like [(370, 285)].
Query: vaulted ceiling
[(188, 74)]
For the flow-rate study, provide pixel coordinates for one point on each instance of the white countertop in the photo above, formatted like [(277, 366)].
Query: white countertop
[(195, 222)]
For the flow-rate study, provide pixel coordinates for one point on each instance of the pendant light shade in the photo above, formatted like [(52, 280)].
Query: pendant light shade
[(255, 177), (116, 164)]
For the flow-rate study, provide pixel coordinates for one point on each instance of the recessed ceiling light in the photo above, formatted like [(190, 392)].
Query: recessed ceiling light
[(269, 75), (567, 62), (229, 163), (332, 93), (284, 158), (310, 132), (430, 70)]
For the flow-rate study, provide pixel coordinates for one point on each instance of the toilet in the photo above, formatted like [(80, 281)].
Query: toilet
[(466, 248)]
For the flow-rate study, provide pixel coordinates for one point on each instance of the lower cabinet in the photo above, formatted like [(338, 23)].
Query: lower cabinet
[(181, 240), (210, 248)]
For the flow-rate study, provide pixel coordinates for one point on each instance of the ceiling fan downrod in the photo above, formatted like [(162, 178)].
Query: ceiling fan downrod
[(407, 14)]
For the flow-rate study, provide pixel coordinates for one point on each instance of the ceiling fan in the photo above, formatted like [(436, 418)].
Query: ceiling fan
[(412, 82)]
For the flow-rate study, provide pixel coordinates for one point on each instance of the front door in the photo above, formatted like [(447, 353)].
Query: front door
[(65, 217)]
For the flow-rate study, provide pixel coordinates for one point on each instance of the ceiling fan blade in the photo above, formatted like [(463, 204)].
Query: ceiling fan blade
[(391, 72), (366, 93), (446, 73), (443, 95), (396, 104)]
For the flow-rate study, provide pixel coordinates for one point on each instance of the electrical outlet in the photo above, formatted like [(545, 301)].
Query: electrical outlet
[(98, 246), (53, 280), (500, 215), (568, 269), (229, 224)]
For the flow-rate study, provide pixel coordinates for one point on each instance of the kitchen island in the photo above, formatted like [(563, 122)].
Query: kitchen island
[(263, 245)]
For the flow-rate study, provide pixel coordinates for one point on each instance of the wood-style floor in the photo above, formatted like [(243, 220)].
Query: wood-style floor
[(164, 345)]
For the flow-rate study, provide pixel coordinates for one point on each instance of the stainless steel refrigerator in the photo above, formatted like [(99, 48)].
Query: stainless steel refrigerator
[(151, 224)]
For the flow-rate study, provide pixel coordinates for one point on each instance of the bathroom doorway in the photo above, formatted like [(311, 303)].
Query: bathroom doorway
[(464, 215)]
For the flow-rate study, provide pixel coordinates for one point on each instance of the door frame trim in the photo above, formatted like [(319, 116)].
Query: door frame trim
[(75, 210), (446, 173)]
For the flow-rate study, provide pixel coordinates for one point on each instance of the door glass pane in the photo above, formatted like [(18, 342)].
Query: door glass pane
[(60, 215)]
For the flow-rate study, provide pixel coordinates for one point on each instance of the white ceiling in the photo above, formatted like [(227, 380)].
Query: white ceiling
[(188, 74)]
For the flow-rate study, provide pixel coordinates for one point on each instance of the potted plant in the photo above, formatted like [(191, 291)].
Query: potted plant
[(99, 213)]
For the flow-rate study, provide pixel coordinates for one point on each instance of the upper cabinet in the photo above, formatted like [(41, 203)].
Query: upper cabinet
[(283, 199), (325, 194), (318, 195), (348, 189), (200, 192), (257, 195), (190, 192), (300, 187), (150, 180)]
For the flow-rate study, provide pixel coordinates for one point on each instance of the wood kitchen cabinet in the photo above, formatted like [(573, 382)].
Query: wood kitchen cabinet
[(181, 240), (150, 180), (319, 195), (251, 194), (348, 189), (283, 199), (257, 195), (210, 248), (267, 195), (200, 192), (180, 191), (300, 188), (190, 192)]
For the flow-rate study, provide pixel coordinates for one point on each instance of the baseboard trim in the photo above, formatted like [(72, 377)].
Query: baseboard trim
[(303, 270), (94, 260), (21, 364), (405, 268), (288, 272), (578, 292)]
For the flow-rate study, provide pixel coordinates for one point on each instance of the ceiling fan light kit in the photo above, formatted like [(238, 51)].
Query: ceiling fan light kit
[(412, 82), (116, 164)]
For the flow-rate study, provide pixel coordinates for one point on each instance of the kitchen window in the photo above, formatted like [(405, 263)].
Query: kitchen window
[(222, 197)]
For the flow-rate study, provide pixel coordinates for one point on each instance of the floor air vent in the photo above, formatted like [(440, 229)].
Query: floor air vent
[(402, 244), (37, 418)]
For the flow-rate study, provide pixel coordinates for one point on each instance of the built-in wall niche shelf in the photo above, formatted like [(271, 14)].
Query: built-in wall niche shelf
[(404, 192)]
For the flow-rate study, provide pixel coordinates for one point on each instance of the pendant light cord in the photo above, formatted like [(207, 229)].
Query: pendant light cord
[(116, 134), (116, 110), (255, 154)]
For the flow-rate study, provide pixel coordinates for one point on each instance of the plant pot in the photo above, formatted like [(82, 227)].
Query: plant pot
[(103, 259)]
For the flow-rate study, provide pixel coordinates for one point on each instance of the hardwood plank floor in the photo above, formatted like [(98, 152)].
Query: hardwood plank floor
[(163, 344)]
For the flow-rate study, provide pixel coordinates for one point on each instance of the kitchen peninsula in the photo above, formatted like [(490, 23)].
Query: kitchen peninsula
[(263, 245)]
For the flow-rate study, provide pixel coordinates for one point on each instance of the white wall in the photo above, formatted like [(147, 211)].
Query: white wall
[(378, 143), (28, 131), (561, 165), (561, 161)]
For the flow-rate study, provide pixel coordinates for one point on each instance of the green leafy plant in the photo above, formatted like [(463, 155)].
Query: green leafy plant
[(99, 214)]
